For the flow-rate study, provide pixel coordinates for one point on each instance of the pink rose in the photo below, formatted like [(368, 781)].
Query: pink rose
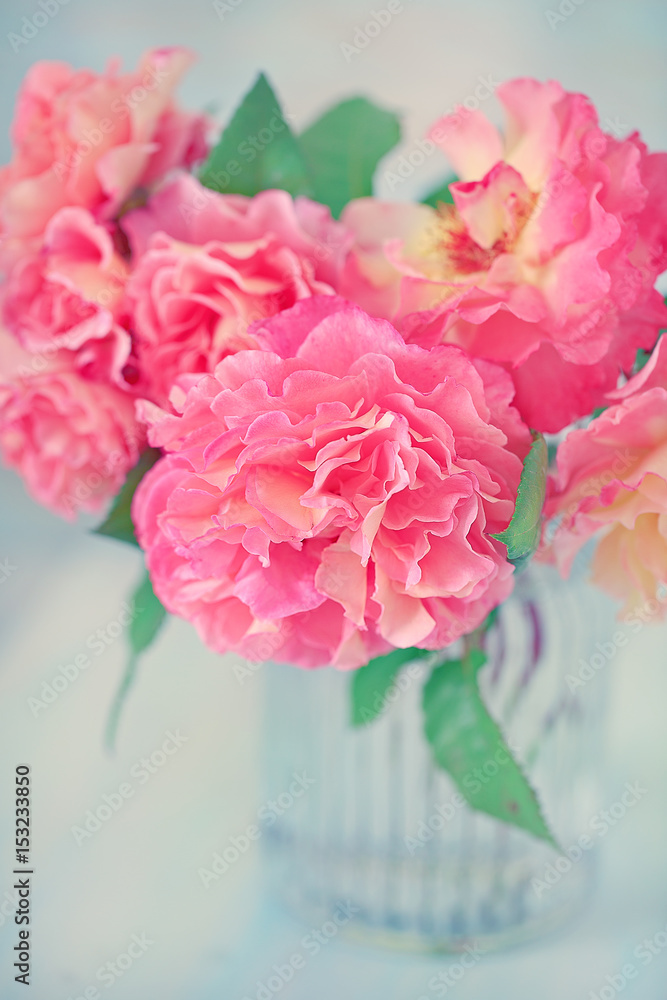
[(386, 235), (612, 478), (333, 494), (547, 260), (208, 265), (69, 294), (81, 138), (72, 439)]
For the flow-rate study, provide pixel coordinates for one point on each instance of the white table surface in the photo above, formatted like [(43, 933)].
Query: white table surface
[(138, 874)]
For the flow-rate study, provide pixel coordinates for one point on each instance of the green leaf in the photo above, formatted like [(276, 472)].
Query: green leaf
[(468, 744), (116, 709), (148, 616), (552, 454), (257, 150), (442, 194), (119, 523), (371, 683), (641, 360), (522, 535), (343, 148)]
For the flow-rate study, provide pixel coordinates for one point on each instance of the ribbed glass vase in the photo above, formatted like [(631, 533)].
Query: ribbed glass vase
[(376, 824)]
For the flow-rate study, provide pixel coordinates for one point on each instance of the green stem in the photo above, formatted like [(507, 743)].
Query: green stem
[(119, 700)]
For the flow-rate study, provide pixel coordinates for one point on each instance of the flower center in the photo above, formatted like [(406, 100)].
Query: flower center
[(458, 253)]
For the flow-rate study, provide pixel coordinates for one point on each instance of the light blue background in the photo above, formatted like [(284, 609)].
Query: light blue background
[(139, 872)]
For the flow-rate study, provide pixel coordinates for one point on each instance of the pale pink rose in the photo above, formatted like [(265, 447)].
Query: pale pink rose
[(333, 494), (89, 139), (69, 294), (547, 260), (612, 478), (72, 439), (381, 231), (208, 265)]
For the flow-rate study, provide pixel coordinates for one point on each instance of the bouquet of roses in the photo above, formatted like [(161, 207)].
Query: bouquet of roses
[(320, 415)]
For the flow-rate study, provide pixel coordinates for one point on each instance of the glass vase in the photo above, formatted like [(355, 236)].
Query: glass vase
[(367, 825)]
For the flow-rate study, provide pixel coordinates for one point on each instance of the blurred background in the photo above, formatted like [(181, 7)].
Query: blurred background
[(137, 874)]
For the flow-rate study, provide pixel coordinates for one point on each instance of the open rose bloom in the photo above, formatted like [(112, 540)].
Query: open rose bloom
[(92, 140), (612, 477), (545, 263), (335, 490), (342, 407), (209, 265)]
